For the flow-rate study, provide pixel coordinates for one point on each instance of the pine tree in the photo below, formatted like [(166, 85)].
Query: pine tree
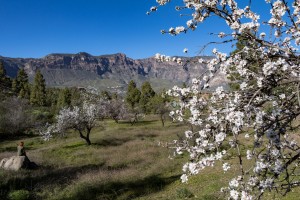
[(133, 94), (147, 93), (20, 85), (64, 98), (5, 82), (38, 92), (2, 71), (14, 86)]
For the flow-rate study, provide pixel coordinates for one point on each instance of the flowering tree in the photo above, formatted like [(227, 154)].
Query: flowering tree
[(82, 119), (264, 108), (114, 108)]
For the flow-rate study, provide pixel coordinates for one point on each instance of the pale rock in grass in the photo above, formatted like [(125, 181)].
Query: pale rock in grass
[(13, 163)]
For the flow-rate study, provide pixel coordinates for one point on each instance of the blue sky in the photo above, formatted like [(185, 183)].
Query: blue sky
[(35, 28)]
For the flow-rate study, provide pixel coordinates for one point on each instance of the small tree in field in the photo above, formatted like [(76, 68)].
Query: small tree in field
[(79, 118), (159, 105), (82, 117), (262, 110), (115, 109)]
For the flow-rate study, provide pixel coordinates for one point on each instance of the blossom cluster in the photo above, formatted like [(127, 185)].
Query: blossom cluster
[(261, 111)]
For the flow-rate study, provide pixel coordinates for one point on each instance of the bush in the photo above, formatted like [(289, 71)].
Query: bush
[(184, 193), (14, 116), (19, 195), (41, 116)]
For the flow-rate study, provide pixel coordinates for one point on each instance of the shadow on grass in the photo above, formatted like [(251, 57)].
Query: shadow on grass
[(44, 176), (121, 190), (139, 123), (73, 146), (111, 142), (143, 136)]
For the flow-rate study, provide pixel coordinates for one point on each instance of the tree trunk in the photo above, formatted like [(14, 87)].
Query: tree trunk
[(116, 119), (87, 137), (162, 119)]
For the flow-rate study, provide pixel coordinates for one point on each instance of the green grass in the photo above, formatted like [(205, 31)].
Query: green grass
[(123, 162)]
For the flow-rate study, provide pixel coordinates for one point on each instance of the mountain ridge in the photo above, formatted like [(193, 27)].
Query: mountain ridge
[(106, 71)]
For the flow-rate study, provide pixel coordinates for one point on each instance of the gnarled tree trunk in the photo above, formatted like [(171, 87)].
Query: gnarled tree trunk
[(87, 137)]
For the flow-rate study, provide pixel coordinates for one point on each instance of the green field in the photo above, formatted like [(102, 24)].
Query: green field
[(123, 162)]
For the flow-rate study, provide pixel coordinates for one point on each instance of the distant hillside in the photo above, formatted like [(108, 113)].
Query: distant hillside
[(106, 72)]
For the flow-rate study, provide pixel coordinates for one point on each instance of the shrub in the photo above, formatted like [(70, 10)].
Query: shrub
[(19, 195), (184, 193)]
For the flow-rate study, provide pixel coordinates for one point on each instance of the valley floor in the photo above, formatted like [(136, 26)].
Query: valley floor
[(123, 162)]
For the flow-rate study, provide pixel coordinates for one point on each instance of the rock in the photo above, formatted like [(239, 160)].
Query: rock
[(83, 69), (13, 163)]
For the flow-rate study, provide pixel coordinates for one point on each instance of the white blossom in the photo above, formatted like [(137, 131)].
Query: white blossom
[(249, 154), (226, 166), (263, 108), (184, 178), (234, 194), (234, 183)]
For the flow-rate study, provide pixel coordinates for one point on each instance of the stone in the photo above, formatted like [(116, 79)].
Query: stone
[(13, 163)]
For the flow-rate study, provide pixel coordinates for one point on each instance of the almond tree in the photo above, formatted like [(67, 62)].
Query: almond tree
[(79, 118), (115, 109), (264, 108)]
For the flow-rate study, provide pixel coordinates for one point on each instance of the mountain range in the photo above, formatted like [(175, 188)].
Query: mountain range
[(108, 72)]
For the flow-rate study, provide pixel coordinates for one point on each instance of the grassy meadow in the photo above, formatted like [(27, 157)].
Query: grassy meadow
[(123, 162)]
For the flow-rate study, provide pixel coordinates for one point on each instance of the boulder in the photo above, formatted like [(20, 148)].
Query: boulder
[(13, 163)]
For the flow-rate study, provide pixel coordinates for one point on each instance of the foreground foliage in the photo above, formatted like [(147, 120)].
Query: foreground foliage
[(263, 108)]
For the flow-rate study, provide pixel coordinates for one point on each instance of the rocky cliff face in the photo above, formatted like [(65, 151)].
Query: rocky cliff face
[(106, 71)]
